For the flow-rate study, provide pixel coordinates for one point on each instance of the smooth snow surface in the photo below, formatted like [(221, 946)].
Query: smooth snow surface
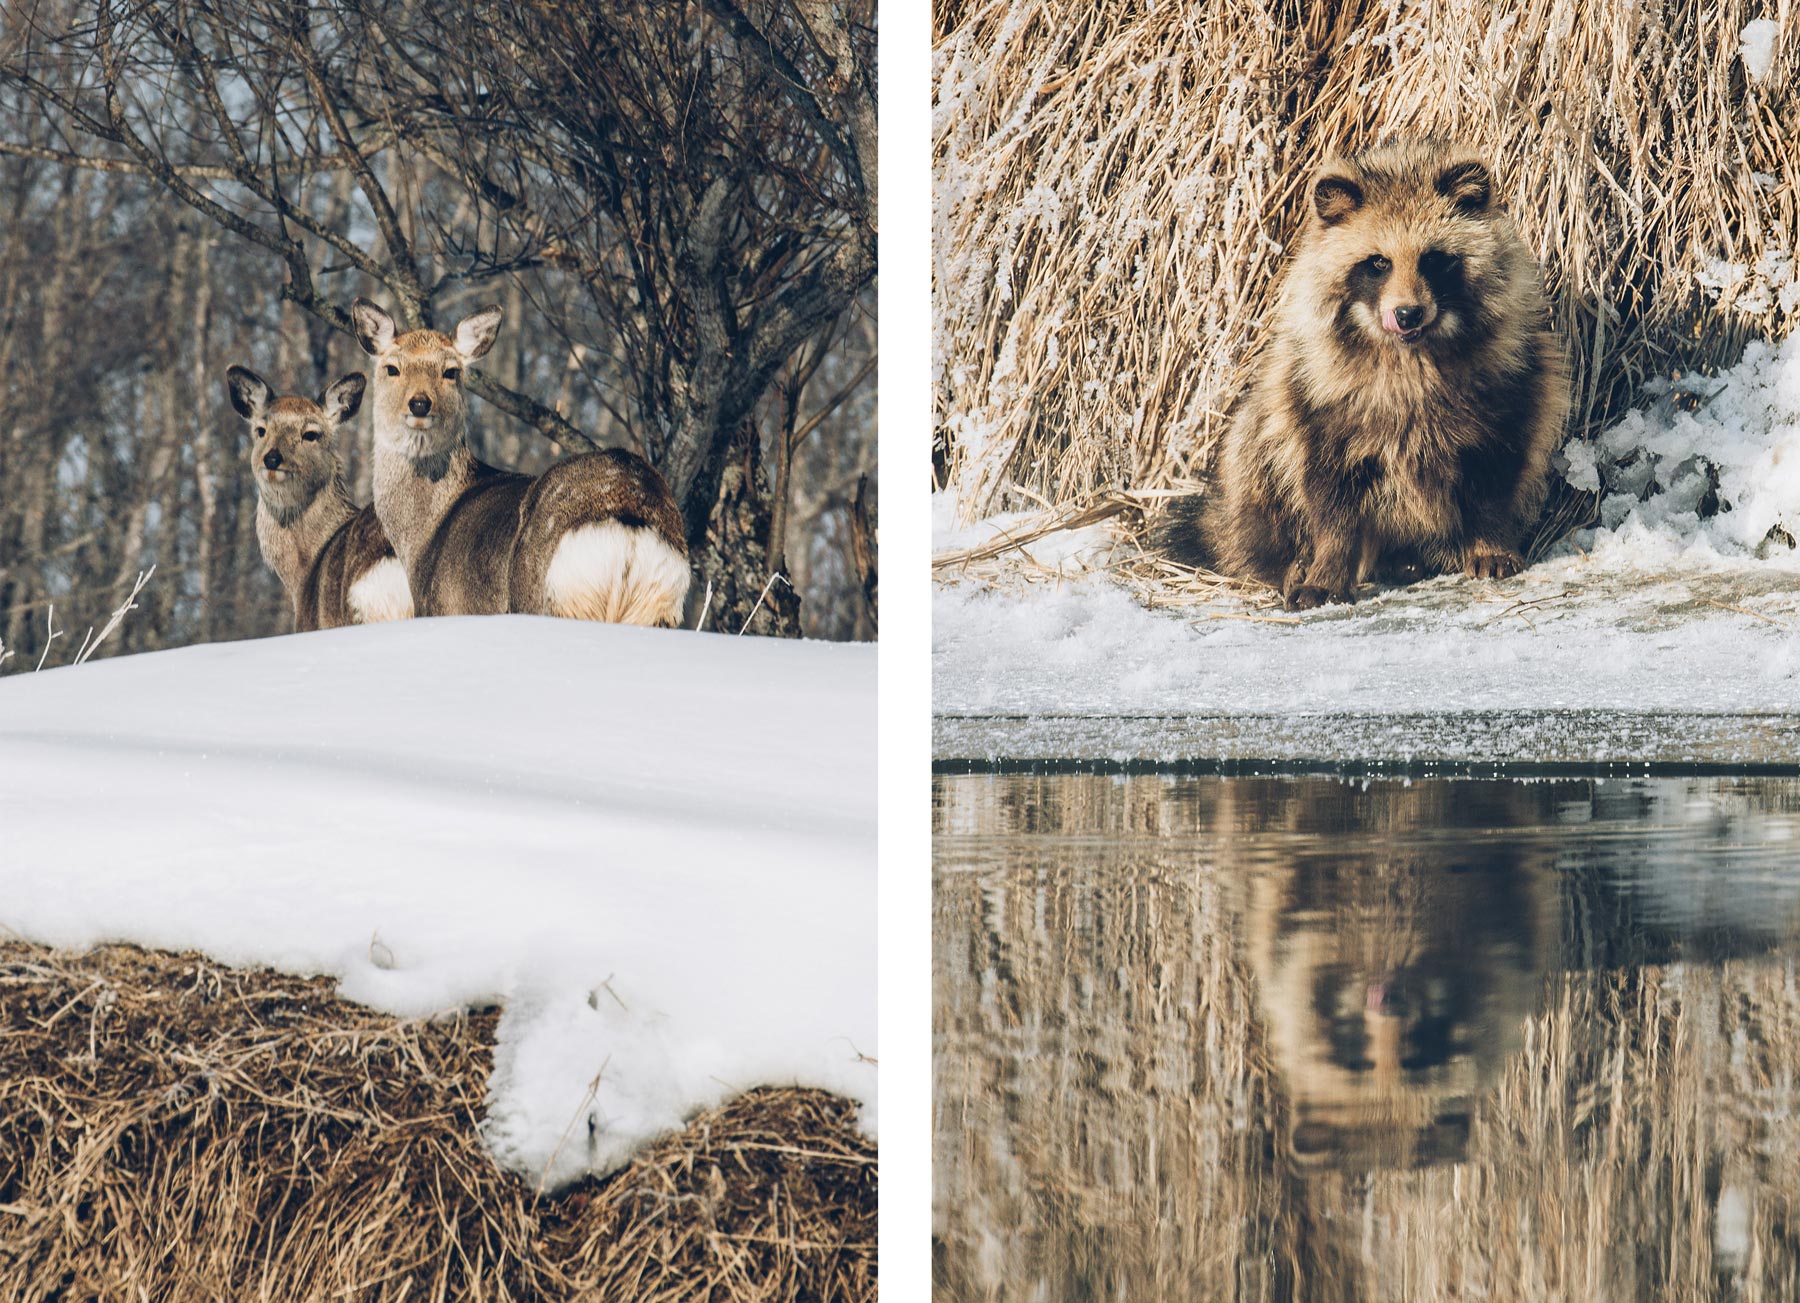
[(1669, 610), (655, 849)]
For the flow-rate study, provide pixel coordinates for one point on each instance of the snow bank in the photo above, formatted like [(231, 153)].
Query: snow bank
[(656, 849), (1684, 600), (1713, 467)]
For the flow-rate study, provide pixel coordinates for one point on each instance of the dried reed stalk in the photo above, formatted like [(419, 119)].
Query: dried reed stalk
[(171, 1129), (1114, 185)]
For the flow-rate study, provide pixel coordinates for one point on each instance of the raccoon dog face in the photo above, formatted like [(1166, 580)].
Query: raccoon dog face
[(1405, 241)]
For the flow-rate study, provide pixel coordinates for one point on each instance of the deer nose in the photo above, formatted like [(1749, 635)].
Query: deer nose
[(419, 405), (272, 460), (1409, 318)]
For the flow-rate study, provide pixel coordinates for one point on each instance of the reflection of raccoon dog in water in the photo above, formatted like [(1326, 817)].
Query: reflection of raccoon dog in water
[(1407, 399)]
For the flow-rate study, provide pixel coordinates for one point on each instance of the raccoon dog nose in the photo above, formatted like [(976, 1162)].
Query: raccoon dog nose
[(1409, 318), (419, 405), (272, 460)]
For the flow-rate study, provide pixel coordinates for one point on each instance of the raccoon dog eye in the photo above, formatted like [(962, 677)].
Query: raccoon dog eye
[(392, 369), (311, 436), (1378, 265)]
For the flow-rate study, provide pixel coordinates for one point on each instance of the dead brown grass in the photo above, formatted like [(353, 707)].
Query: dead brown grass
[(171, 1129), (1114, 184)]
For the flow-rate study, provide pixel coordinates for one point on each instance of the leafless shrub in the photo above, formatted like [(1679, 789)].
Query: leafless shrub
[(674, 204)]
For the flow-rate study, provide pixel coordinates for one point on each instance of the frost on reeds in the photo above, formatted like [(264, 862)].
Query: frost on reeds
[(89, 643), (1115, 184), (173, 1129)]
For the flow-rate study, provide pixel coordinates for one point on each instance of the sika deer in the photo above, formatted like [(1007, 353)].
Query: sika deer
[(596, 537), (333, 560)]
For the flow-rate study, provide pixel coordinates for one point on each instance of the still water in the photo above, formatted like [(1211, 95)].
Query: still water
[(1305, 1038)]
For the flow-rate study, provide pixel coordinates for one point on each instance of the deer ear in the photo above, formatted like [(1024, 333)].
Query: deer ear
[(1336, 197), (344, 397), (1468, 186), (249, 392), (475, 332), (374, 328)]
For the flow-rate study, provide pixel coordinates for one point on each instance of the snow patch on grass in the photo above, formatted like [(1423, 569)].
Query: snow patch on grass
[(1712, 466), (655, 849), (1756, 43)]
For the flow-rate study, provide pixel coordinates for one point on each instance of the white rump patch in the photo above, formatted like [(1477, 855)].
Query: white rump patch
[(616, 573), (381, 594)]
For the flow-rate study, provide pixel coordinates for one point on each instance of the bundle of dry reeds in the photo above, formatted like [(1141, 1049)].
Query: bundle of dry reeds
[(1115, 184), (171, 1129)]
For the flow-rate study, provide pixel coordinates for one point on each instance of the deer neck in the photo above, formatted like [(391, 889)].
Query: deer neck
[(412, 497), (291, 541)]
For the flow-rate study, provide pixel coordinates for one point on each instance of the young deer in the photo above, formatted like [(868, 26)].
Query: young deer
[(335, 563), (596, 537)]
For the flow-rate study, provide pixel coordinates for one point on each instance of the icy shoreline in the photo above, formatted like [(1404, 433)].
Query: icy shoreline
[(1676, 615), (1471, 743)]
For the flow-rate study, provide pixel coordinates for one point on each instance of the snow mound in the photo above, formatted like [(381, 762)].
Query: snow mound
[(655, 849)]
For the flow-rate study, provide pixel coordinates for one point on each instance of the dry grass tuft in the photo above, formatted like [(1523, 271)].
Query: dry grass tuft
[(171, 1129), (1114, 185)]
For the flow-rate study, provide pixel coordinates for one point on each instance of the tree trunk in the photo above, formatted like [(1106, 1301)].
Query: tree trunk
[(734, 555)]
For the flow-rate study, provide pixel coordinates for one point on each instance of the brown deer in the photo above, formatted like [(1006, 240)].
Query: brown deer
[(596, 537), (333, 559)]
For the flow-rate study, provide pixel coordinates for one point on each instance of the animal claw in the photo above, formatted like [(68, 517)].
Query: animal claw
[(1494, 565), (1307, 596)]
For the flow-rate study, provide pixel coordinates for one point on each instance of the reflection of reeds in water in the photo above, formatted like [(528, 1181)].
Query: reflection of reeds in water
[(1111, 1116), (1641, 1100), (1096, 1112)]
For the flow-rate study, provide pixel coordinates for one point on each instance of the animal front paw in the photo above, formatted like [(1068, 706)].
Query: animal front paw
[(1493, 563), (1304, 597)]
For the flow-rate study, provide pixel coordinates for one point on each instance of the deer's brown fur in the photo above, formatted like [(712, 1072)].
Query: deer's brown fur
[(332, 558), (597, 536)]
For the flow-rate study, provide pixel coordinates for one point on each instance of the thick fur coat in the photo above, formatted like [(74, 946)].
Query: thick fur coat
[(1407, 397)]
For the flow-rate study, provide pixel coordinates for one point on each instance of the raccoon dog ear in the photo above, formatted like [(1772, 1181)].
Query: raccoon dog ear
[(1335, 198), (1468, 186)]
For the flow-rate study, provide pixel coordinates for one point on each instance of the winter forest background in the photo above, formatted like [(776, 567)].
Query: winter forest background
[(674, 203)]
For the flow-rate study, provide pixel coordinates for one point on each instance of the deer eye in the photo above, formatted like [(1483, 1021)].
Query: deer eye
[(311, 436), (452, 373), (259, 432), (392, 369)]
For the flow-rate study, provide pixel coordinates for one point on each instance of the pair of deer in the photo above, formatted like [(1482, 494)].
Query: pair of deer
[(596, 537)]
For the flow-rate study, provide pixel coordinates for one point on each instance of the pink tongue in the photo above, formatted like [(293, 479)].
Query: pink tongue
[(1388, 322)]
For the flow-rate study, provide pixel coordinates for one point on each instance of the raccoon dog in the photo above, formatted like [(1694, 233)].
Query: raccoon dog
[(1408, 396)]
